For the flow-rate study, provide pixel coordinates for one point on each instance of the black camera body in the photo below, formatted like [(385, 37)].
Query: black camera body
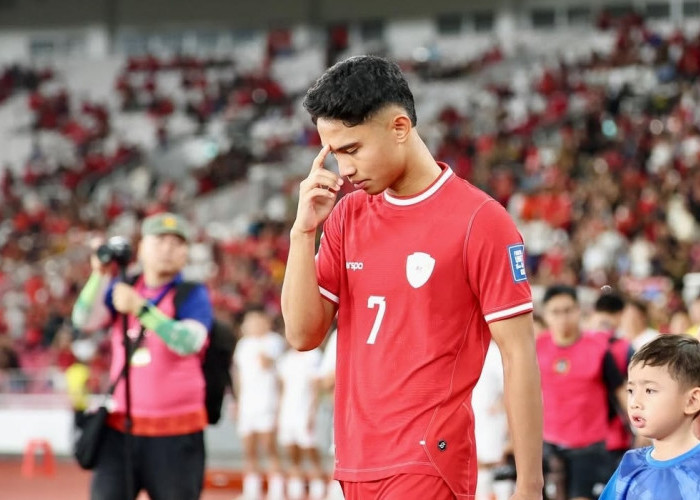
[(115, 249)]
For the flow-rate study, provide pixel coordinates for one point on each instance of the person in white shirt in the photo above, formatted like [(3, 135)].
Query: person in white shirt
[(326, 382), (296, 432), (491, 427), (634, 324), (256, 382)]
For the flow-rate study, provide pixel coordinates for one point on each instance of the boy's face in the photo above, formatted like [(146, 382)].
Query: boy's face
[(657, 404), (369, 154)]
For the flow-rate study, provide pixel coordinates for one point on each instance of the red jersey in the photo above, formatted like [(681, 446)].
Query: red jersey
[(417, 280)]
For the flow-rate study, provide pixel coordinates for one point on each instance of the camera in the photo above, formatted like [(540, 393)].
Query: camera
[(116, 249)]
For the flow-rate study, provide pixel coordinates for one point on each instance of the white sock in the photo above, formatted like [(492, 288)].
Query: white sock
[(317, 489), (275, 487), (252, 487), (295, 488)]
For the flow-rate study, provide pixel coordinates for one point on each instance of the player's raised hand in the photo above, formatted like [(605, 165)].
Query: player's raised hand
[(317, 194)]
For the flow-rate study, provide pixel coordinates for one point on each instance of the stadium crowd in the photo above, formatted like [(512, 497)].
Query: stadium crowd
[(596, 158), (598, 169)]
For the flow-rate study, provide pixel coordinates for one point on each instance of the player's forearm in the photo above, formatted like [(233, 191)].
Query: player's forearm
[(524, 404), (89, 311), (302, 304)]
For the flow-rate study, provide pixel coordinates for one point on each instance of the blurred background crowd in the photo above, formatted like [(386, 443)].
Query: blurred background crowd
[(589, 134)]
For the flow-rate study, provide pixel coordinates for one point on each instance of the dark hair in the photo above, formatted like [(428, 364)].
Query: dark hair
[(556, 290), (680, 353), (640, 306), (611, 303), (355, 89)]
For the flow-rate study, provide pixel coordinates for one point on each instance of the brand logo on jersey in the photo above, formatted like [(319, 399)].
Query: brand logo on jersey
[(516, 253), (354, 266), (419, 267)]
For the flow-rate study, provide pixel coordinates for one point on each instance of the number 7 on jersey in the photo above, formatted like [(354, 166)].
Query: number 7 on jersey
[(372, 302)]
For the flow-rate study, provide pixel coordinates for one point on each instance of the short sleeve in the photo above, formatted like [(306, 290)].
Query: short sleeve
[(109, 297), (495, 263), (197, 306), (328, 258)]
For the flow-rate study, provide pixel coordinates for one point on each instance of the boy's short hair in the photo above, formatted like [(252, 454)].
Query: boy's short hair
[(355, 89), (556, 290), (679, 353)]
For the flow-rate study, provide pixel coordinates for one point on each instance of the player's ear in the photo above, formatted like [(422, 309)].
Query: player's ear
[(401, 126), (692, 402)]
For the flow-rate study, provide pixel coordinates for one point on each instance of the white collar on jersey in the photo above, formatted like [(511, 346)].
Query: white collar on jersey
[(412, 200)]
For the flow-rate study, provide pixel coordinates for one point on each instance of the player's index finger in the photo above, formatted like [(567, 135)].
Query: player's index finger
[(320, 157)]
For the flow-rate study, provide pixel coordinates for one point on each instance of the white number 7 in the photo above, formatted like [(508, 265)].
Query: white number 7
[(374, 300)]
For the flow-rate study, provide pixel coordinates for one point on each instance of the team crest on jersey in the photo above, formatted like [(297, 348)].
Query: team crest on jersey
[(562, 366), (419, 267)]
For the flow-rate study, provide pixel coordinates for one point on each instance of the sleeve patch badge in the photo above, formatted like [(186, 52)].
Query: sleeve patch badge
[(516, 254)]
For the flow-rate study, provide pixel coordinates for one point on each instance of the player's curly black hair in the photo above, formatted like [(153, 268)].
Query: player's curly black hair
[(355, 89)]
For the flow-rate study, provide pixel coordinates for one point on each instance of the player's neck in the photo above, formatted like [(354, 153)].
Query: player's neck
[(681, 441), (421, 170), (565, 339)]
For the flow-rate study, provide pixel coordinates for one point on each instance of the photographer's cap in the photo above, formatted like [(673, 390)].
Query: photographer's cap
[(166, 223)]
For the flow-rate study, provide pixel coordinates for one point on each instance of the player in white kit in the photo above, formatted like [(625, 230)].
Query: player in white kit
[(256, 378), (490, 426), (297, 421)]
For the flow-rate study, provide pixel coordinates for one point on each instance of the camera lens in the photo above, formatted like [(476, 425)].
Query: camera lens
[(104, 254), (117, 249)]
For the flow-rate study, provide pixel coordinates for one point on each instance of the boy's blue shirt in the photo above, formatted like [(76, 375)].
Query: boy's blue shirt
[(641, 477)]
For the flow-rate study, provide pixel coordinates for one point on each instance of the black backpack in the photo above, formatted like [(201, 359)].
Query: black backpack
[(218, 357)]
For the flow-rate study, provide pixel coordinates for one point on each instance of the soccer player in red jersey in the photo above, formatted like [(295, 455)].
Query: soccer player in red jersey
[(422, 269)]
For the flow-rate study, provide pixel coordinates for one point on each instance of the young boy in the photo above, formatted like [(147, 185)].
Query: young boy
[(663, 401)]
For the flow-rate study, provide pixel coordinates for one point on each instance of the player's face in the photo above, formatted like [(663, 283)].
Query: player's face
[(368, 154), (562, 315), (656, 403), (163, 254)]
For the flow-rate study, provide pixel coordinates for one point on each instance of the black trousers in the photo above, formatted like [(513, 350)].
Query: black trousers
[(167, 468)]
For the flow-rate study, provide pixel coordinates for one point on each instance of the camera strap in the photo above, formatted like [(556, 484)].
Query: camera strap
[(135, 345)]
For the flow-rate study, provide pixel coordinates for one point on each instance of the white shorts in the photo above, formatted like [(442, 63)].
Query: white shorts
[(261, 423), (491, 440), (297, 433)]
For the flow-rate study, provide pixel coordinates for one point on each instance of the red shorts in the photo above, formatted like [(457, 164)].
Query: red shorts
[(400, 487)]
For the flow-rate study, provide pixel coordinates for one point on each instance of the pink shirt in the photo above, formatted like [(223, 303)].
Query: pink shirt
[(163, 383), (573, 391)]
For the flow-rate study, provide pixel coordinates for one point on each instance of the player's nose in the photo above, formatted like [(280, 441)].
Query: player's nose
[(346, 168)]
